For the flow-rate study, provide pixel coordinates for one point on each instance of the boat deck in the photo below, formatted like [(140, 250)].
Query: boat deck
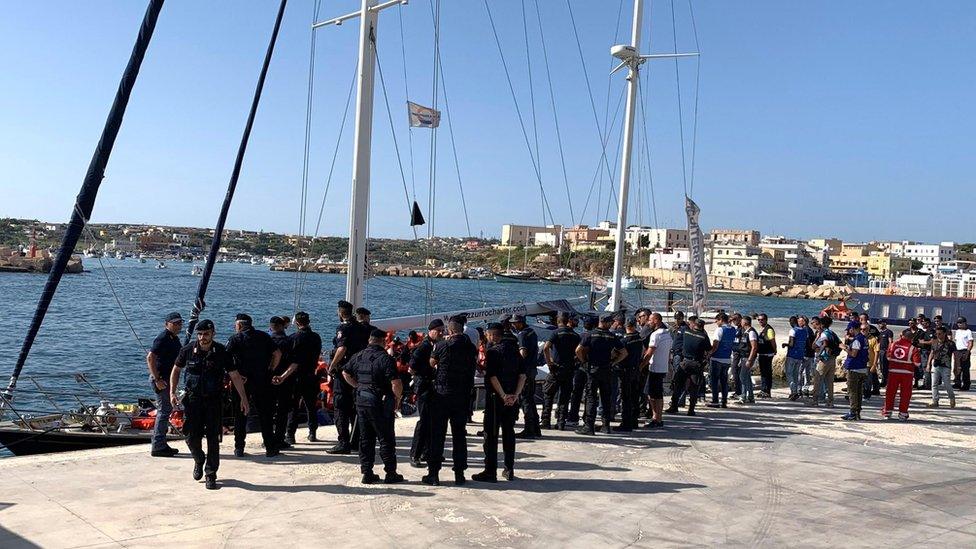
[(776, 474)]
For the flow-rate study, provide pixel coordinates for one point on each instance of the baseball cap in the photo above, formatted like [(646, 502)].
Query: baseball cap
[(205, 325), (174, 317), (435, 324)]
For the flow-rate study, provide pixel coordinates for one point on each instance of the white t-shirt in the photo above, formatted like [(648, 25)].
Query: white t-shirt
[(963, 337), (661, 341)]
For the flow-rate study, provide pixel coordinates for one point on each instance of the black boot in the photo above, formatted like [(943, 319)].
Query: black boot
[(431, 479)]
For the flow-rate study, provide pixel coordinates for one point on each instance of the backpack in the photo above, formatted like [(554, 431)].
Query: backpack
[(833, 343)]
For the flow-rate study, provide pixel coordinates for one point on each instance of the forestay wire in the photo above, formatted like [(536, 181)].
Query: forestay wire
[(303, 201)]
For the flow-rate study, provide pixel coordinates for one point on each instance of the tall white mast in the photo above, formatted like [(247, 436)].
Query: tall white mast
[(359, 207), (631, 58)]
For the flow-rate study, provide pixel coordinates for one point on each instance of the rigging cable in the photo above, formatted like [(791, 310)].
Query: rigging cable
[(406, 93), (555, 116), (694, 131), (535, 125), (303, 201), (681, 125), (435, 8), (518, 112)]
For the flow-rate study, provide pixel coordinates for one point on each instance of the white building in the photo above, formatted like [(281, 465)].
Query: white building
[(795, 261), (738, 260), (183, 239), (525, 235), (671, 259), (116, 245), (931, 255), (546, 239)]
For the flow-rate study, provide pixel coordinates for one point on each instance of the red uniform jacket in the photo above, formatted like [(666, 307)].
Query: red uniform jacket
[(903, 358)]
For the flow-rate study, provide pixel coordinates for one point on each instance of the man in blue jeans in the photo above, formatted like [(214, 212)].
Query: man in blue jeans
[(722, 342), (160, 361), (796, 349)]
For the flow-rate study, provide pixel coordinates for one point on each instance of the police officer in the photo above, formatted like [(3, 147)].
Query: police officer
[(423, 376), (600, 350), (304, 353), (159, 360), (454, 361), (364, 318), (205, 361), (695, 347), (350, 338), (504, 381), (255, 357), (628, 376), (373, 374), (283, 394), (579, 378), (560, 355), (528, 346)]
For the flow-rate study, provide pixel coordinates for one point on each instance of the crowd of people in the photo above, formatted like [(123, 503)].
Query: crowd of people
[(619, 368)]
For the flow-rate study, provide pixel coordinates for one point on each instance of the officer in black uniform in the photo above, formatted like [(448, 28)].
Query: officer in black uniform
[(373, 374), (205, 362), (560, 354), (282, 394), (528, 344), (629, 376), (695, 348), (306, 348), (350, 338), (159, 360), (579, 378), (643, 315), (364, 318), (255, 357), (504, 381), (454, 361), (600, 350), (423, 376)]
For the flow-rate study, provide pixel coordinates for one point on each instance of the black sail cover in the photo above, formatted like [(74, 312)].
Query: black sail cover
[(200, 302), (85, 201)]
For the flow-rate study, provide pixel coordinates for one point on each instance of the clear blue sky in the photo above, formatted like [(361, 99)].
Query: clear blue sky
[(849, 119)]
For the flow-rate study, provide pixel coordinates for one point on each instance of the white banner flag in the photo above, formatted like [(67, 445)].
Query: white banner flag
[(696, 244), (423, 117)]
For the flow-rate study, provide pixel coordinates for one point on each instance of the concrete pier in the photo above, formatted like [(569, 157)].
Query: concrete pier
[(774, 474)]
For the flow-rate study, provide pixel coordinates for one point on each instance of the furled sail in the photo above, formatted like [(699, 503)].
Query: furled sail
[(696, 242)]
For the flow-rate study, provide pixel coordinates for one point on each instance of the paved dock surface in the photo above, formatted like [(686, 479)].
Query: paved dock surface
[(775, 474)]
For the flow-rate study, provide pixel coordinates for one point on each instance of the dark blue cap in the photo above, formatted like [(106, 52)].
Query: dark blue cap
[(205, 325), (174, 317)]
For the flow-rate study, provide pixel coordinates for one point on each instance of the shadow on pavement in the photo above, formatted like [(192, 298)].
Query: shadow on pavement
[(11, 539), (336, 489)]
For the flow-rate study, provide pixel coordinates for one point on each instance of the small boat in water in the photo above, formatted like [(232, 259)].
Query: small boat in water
[(160, 264), (196, 270), (516, 277)]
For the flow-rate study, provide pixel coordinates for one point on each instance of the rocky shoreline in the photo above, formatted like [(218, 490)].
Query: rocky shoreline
[(12, 262), (809, 291)]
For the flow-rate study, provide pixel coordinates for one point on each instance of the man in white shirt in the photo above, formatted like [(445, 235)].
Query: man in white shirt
[(964, 347), (656, 359)]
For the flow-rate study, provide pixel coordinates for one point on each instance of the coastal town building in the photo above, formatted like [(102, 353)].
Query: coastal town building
[(181, 238), (738, 260), (823, 248), (670, 259), (584, 237), (121, 245), (734, 236), (887, 267), (931, 255), (525, 235), (792, 259)]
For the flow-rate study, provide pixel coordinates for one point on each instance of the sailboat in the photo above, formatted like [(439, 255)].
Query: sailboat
[(59, 436)]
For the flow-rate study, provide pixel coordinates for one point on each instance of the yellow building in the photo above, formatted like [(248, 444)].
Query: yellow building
[(888, 267)]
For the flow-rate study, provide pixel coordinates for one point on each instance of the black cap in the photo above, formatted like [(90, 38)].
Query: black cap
[(343, 304), (205, 325), (377, 334), (363, 311), (244, 317), (517, 318), (494, 326), (174, 317), (435, 324), (606, 317)]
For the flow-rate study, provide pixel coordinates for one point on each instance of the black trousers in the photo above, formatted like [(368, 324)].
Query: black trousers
[(444, 410), (527, 401), (599, 380), (962, 364), (376, 424), (686, 379), (262, 407), (202, 419), (499, 417), (421, 431), (559, 383), (629, 396), (642, 393), (579, 390), (305, 396), (283, 402), (766, 373), (344, 402)]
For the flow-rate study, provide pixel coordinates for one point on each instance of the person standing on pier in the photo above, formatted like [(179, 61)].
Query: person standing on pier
[(903, 360), (165, 348), (255, 357), (657, 360), (528, 344), (748, 349), (796, 349), (721, 357), (560, 354), (206, 362), (306, 348), (579, 378), (283, 394), (504, 381), (767, 350), (856, 365), (628, 375), (350, 338), (695, 347), (373, 375), (365, 318), (423, 387), (600, 350), (885, 339), (939, 366), (961, 359), (454, 361)]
